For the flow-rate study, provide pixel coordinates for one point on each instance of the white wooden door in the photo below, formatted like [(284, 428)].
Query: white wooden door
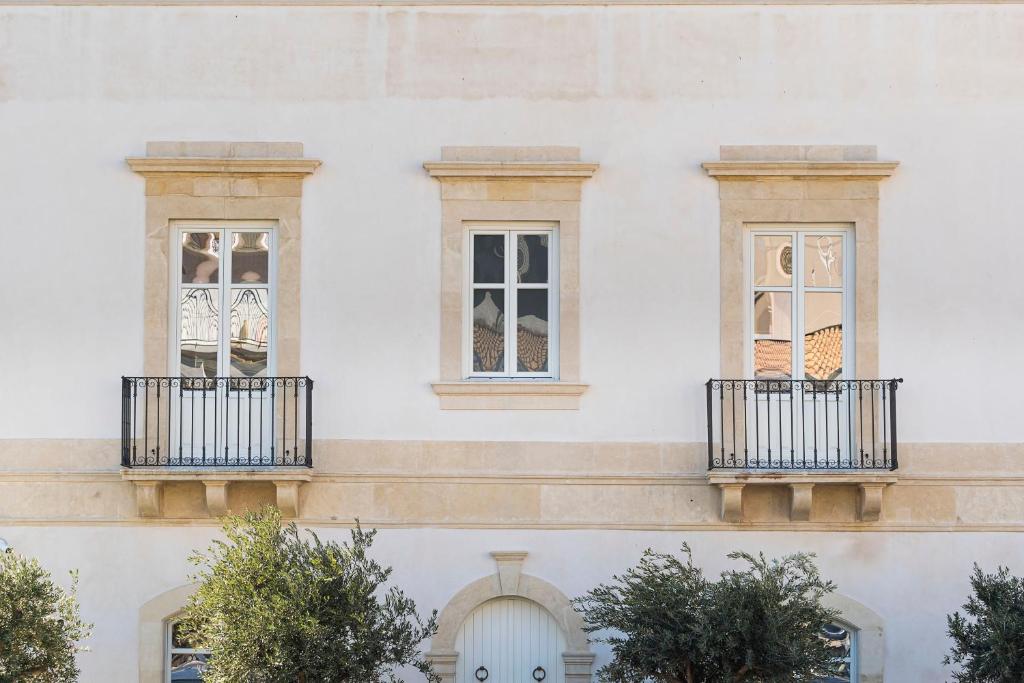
[(505, 640)]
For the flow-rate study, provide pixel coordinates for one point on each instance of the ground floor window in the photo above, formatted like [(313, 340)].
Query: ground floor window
[(842, 640), (185, 663)]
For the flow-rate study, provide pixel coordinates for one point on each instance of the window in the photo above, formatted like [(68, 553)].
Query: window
[(801, 307), (185, 664), (224, 283), (842, 641), (512, 307)]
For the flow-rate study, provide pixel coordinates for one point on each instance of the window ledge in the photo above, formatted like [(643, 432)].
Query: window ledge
[(509, 395)]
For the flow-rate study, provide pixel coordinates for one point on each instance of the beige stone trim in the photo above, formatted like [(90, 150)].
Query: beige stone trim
[(154, 617), (509, 395), (217, 181), (793, 184), (508, 185), (508, 580), (864, 170), (509, 169), (870, 635)]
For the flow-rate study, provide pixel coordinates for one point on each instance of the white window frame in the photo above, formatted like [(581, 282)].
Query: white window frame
[(796, 231), (170, 650), (224, 285), (511, 230)]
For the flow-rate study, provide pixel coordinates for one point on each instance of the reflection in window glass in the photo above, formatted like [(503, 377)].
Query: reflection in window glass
[(488, 259), (841, 642), (773, 260), (823, 335), (532, 330), (186, 664), (200, 322), (200, 258), (250, 257), (773, 346), (823, 260), (532, 258), (250, 323), (488, 330)]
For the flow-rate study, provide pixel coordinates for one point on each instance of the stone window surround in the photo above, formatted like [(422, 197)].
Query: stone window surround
[(787, 185), (508, 185), (220, 181)]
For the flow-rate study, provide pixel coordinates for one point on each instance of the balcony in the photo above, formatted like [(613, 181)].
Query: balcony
[(801, 433), (216, 430)]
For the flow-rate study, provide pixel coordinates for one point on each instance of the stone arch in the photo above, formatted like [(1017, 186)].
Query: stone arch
[(870, 635), (153, 617), (509, 581)]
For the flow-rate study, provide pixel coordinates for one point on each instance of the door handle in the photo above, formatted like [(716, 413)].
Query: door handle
[(539, 674)]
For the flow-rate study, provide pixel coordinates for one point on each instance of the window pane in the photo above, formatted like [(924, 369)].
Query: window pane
[(823, 260), (200, 257), (840, 643), (489, 330), (250, 326), (773, 352), (250, 253), (488, 258), (773, 260), (532, 330), (200, 322), (823, 335), (188, 667), (532, 258)]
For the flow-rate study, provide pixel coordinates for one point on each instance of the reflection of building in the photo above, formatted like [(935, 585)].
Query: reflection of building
[(509, 344)]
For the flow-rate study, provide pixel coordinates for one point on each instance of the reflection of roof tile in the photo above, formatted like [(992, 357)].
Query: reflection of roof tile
[(823, 350)]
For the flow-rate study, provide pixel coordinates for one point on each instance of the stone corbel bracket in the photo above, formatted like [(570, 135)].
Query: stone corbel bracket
[(149, 487), (801, 486)]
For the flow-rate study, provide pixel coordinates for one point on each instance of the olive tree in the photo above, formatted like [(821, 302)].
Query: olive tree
[(277, 606), (667, 622), (988, 643), (40, 626)]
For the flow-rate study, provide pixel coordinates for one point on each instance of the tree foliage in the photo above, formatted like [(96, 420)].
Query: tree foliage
[(667, 622), (988, 643), (40, 625), (277, 607)]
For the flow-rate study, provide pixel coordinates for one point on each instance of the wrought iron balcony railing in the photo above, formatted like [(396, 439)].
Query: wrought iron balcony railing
[(779, 424), (216, 421)]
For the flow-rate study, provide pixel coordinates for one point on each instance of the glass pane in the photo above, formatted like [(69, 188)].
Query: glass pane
[(773, 350), (188, 667), (488, 258), (532, 258), (823, 335), (532, 330), (200, 322), (250, 327), (773, 260), (250, 260), (489, 330), (840, 643), (823, 260), (200, 257)]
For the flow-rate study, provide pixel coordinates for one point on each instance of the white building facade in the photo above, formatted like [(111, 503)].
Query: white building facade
[(464, 272)]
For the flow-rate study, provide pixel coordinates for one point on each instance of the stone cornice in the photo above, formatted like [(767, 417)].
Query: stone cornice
[(510, 169), (147, 166), (836, 170)]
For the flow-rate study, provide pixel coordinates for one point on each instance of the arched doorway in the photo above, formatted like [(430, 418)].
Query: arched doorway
[(517, 611), (510, 640)]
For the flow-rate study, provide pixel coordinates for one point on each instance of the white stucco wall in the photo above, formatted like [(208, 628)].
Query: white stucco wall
[(899, 576), (647, 92)]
